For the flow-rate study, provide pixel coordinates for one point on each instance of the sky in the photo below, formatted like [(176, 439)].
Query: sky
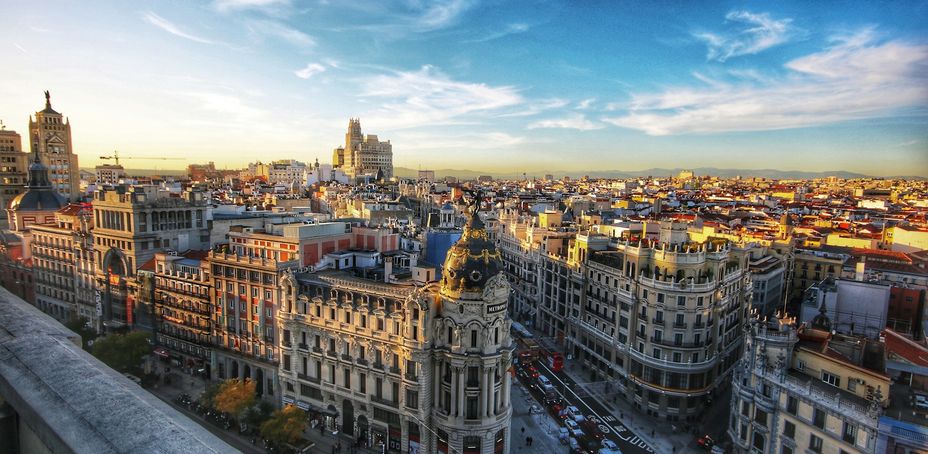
[(480, 85)]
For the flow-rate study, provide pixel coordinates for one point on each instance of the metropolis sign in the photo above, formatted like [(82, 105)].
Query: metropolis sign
[(493, 308)]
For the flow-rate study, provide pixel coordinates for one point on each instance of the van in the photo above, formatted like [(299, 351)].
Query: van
[(543, 381)]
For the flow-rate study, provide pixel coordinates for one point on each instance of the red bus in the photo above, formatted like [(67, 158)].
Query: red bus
[(555, 361)]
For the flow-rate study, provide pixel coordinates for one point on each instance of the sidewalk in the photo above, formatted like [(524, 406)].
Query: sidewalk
[(661, 435)]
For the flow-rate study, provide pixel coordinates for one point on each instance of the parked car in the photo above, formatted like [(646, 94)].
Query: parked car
[(609, 444), (705, 442), (563, 435)]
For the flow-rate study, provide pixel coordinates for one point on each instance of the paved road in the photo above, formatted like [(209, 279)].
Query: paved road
[(611, 426), (230, 438)]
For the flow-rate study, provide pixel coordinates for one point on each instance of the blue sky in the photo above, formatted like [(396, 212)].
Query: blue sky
[(482, 85)]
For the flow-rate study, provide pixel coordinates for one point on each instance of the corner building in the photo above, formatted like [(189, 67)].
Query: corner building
[(410, 369)]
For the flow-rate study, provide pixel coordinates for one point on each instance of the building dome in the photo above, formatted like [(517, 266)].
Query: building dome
[(471, 262), (821, 321), (39, 195)]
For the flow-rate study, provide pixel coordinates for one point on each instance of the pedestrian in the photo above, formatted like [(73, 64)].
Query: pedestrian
[(530, 441), (527, 440), (523, 430)]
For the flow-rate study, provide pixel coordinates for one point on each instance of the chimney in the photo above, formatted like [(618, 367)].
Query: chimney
[(413, 260), (860, 268), (387, 268)]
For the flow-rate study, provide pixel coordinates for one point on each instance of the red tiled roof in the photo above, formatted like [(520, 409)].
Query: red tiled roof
[(148, 266), (900, 345)]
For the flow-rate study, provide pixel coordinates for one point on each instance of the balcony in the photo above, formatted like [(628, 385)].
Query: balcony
[(394, 370), (346, 357), (657, 321), (382, 401), (679, 325)]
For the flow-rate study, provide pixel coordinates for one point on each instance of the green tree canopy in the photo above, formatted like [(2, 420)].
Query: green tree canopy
[(123, 352), (79, 326), (286, 426), (234, 396)]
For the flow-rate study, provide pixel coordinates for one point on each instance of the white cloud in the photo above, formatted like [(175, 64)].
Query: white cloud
[(483, 141), (854, 79), (442, 14), (586, 103), (282, 31), (310, 70), (758, 32), (169, 27), (577, 121), (427, 97), (225, 104), (511, 29), (231, 5)]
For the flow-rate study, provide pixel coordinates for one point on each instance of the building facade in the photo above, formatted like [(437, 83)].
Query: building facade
[(109, 174), (803, 390), (13, 164), (664, 317), (363, 155), (183, 309), (50, 137), (62, 258), (131, 224), (405, 368)]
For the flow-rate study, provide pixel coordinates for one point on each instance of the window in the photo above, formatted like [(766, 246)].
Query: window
[(850, 433), (412, 398), (760, 417), (815, 443), (745, 409), (362, 383), (786, 450), (660, 297), (800, 365), (792, 405), (818, 418), (789, 429), (759, 442), (472, 406), (681, 301), (473, 338), (347, 377), (831, 379)]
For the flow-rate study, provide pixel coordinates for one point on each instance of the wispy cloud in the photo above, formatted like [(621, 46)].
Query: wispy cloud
[(577, 121), (233, 5), (585, 104), (280, 30), (225, 104), (907, 143), (537, 107), (756, 32), (169, 27), (856, 78), (310, 70), (480, 141), (511, 29), (429, 97), (21, 49), (441, 14)]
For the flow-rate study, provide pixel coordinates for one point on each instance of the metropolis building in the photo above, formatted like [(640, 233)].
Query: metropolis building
[(409, 368)]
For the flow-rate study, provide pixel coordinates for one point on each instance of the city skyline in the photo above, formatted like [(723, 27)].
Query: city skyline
[(482, 86)]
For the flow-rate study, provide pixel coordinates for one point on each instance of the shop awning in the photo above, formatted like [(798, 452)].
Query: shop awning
[(162, 352)]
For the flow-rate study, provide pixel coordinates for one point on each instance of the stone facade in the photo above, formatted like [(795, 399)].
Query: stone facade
[(50, 137), (363, 155), (183, 312), (131, 224), (62, 254), (13, 164)]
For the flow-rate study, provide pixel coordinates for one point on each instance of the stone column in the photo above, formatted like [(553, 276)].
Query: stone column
[(436, 385), (455, 381), (461, 386), (488, 389)]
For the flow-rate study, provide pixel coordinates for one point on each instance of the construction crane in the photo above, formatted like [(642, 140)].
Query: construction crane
[(116, 157)]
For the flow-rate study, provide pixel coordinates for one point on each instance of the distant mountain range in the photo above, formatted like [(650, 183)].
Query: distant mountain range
[(655, 172)]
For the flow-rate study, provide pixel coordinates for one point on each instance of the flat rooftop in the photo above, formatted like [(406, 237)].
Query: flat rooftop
[(75, 403)]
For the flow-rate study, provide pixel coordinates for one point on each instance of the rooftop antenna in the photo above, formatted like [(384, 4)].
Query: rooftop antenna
[(2, 126)]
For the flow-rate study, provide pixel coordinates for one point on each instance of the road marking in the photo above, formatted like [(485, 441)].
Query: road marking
[(638, 441)]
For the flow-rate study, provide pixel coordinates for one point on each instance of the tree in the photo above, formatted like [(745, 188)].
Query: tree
[(256, 415), (234, 396), (123, 352), (80, 326), (286, 426)]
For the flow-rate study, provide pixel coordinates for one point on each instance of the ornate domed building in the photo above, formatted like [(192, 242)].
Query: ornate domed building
[(473, 351), (39, 203)]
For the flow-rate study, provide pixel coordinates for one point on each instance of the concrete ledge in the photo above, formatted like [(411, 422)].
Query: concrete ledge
[(74, 403)]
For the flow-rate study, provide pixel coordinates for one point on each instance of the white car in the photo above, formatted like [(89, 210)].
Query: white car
[(610, 445)]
